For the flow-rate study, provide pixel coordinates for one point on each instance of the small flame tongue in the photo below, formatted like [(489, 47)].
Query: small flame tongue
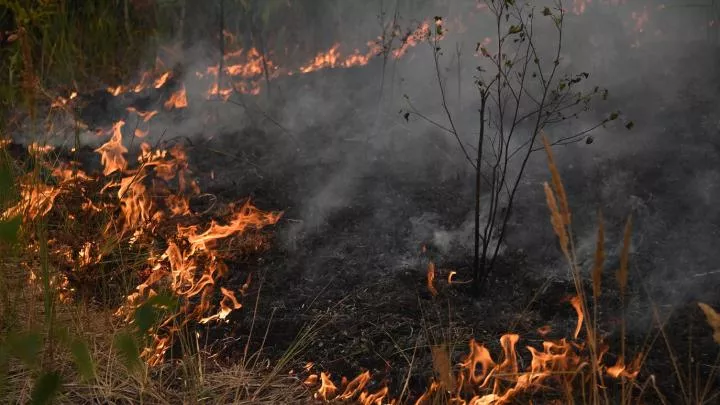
[(177, 100), (490, 382), (112, 152)]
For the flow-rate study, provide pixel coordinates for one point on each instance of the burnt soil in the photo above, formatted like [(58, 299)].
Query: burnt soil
[(361, 270)]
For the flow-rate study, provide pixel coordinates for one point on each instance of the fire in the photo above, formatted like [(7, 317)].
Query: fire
[(480, 379), (60, 101), (177, 100), (112, 152), (116, 91), (431, 279), (145, 116), (327, 389), (332, 59), (160, 81), (412, 39), (222, 93), (36, 200), (252, 68), (577, 305), (323, 60), (35, 148)]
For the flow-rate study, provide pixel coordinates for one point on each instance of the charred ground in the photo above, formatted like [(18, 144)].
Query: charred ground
[(360, 265)]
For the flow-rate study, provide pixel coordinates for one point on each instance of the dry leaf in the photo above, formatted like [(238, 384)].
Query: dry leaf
[(713, 319)]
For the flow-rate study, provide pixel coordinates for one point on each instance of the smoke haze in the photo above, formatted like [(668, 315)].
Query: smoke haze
[(339, 144)]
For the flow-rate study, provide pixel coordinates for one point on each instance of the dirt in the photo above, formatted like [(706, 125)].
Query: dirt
[(379, 315), (361, 269)]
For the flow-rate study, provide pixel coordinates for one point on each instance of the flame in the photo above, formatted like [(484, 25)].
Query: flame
[(431, 279), (327, 389), (577, 305), (160, 81), (332, 59), (354, 387), (491, 382), (116, 91), (544, 330), (60, 101), (248, 216), (323, 60), (144, 115), (36, 201), (112, 152), (620, 370), (177, 100), (412, 39), (222, 93), (35, 148), (252, 68)]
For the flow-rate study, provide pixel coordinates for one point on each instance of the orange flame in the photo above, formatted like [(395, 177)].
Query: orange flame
[(431, 279), (112, 152), (177, 100), (575, 301), (144, 115), (327, 389), (160, 81), (248, 216)]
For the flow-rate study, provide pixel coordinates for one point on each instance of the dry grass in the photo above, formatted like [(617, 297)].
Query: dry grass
[(197, 377)]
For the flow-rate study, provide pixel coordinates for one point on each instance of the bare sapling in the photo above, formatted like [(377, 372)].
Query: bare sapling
[(521, 90)]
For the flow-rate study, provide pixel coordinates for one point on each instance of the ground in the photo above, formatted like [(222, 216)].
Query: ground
[(358, 263)]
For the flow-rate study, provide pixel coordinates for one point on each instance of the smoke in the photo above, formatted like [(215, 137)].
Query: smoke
[(350, 162)]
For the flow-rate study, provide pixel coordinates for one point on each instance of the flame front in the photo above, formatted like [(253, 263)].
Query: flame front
[(480, 379)]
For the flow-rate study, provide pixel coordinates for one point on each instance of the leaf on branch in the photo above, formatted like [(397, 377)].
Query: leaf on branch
[(546, 11), (514, 29)]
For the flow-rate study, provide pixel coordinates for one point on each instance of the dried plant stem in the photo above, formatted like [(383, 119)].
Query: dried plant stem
[(560, 219)]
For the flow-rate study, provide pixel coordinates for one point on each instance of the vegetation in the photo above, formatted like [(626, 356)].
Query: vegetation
[(60, 344), (521, 91)]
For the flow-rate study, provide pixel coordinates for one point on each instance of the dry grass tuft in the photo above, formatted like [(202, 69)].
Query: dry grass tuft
[(713, 319), (443, 366)]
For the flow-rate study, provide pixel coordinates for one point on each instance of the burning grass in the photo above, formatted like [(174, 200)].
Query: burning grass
[(130, 231), (123, 239), (127, 259)]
